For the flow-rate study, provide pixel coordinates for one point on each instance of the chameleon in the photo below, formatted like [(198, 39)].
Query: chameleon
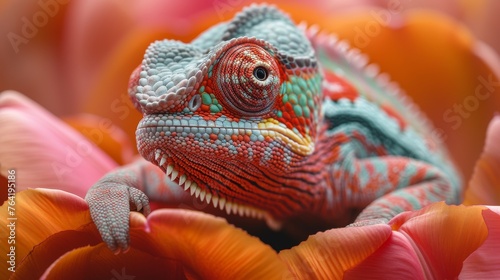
[(266, 118)]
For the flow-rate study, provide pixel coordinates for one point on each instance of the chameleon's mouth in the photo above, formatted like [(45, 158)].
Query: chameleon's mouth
[(206, 195)]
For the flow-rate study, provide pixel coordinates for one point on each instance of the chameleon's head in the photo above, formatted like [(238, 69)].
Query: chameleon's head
[(233, 115)]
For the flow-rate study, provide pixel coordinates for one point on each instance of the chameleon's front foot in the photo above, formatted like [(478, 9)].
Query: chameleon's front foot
[(109, 204), (368, 222), (374, 215)]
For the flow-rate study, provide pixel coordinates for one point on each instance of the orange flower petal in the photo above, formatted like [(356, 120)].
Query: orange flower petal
[(484, 263), (51, 249), (40, 213), (107, 136), (98, 262), (484, 187), (329, 254), (53, 218), (64, 159), (443, 236), (479, 16), (209, 247)]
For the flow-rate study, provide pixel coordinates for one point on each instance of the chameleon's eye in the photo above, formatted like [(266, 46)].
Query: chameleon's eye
[(260, 73), (248, 79)]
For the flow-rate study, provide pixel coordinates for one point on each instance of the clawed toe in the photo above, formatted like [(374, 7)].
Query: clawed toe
[(140, 200), (368, 222)]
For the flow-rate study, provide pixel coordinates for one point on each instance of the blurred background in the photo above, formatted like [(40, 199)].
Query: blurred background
[(75, 57)]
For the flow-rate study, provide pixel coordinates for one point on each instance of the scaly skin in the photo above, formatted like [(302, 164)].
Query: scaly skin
[(267, 119)]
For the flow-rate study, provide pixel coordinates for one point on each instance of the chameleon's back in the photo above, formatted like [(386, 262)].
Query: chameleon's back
[(349, 76)]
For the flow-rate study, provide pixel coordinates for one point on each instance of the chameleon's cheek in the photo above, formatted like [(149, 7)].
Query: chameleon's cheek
[(210, 106), (296, 143), (298, 106)]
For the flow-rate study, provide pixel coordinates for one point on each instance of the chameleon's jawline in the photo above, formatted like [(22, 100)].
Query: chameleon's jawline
[(205, 195)]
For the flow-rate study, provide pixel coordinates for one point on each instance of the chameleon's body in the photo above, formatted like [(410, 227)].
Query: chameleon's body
[(264, 118)]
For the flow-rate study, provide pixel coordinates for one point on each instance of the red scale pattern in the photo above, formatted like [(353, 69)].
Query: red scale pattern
[(347, 90), (289, 117)]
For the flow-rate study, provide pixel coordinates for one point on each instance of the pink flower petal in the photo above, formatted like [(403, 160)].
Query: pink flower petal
[(396, 259), (44, 151), (443, 236), (484, 263)]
